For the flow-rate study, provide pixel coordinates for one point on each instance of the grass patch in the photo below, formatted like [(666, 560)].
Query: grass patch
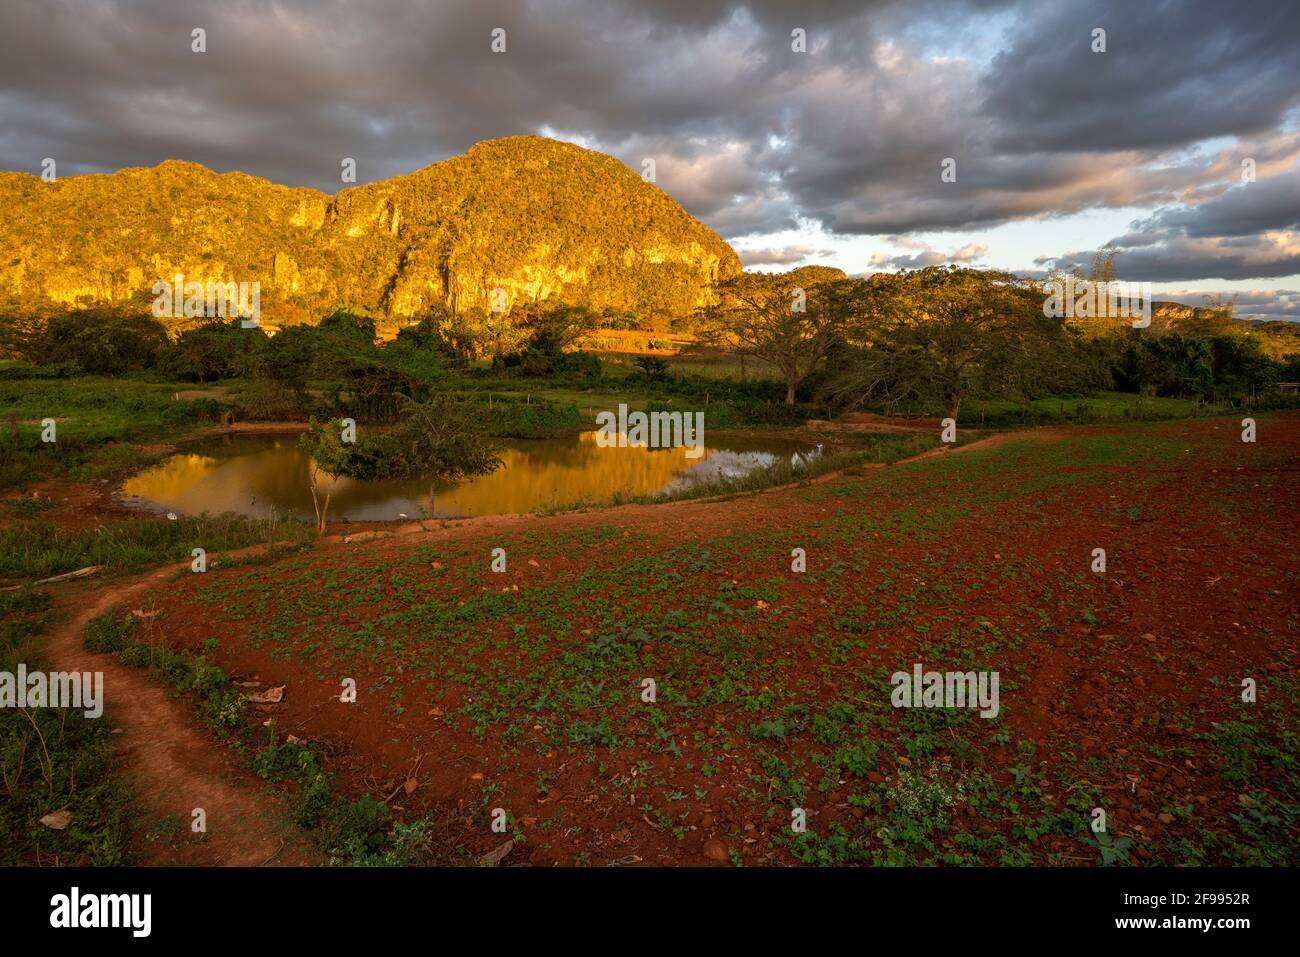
[(93, 417), (39, 549), (53, 759), (1084, 409), (357, 833)]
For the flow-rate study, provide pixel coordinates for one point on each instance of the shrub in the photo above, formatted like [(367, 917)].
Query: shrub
[(535, 419), (97, 341), (212, 351), (652, 368)]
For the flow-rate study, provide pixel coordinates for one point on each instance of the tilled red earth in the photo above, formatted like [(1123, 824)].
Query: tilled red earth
[(522, 690)]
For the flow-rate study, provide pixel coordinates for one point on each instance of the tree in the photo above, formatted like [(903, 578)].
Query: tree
[(789, 320), (1098, 279), (937, 334), (215, 349), (345, 324), (442, 332), (495, 333), (555, 329), (1170, 364), (439, 439), (289, 358), (1103, 266), (552, 332), (652, 368), (101, 340), (332, 456)]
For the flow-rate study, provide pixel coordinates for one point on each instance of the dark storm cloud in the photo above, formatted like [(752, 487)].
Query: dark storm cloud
[(286, 90), (1183, 260), (1251, 230), (747, 134), (1042, 130), (1266, 205), (1172, 73)]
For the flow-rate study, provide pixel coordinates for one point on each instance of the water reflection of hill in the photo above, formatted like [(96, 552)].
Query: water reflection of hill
[(255, 474)]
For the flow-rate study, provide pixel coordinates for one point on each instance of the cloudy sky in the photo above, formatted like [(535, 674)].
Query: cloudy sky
[(831, 155)]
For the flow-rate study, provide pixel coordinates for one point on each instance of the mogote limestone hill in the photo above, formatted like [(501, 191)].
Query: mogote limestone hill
[(536, 217)]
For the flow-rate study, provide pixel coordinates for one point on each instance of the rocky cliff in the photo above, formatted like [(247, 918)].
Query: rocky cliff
[(538, 218)]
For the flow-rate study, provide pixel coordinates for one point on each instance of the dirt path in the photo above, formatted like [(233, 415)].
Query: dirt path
[(871, 422), (171, 764)]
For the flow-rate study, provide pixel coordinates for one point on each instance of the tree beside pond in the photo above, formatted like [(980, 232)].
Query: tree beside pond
[(442, 439)]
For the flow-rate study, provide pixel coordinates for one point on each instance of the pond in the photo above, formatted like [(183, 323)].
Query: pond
[(266, 475)]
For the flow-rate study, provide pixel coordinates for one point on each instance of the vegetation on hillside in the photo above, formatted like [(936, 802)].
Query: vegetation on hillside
[(539, 219)]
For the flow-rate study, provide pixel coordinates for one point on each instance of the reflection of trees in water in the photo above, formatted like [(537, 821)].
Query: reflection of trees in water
[(721, 464), (252, 474), (800, 460), (728, 464), (251, 481)]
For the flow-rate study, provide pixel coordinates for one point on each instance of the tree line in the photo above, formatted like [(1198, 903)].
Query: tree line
[(933, 337), (927, 339)]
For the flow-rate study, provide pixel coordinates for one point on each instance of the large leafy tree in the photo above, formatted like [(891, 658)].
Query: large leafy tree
[(554, 329), (338, 361), (215, 349), (789, 320), (497, 333), (101, 341), (936, 335), (442, 332)]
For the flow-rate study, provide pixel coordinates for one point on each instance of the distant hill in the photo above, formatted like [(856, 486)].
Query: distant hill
[(541, 219), (1278, 339)]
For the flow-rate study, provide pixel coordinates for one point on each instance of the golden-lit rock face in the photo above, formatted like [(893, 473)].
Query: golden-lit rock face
[(542, 219)]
